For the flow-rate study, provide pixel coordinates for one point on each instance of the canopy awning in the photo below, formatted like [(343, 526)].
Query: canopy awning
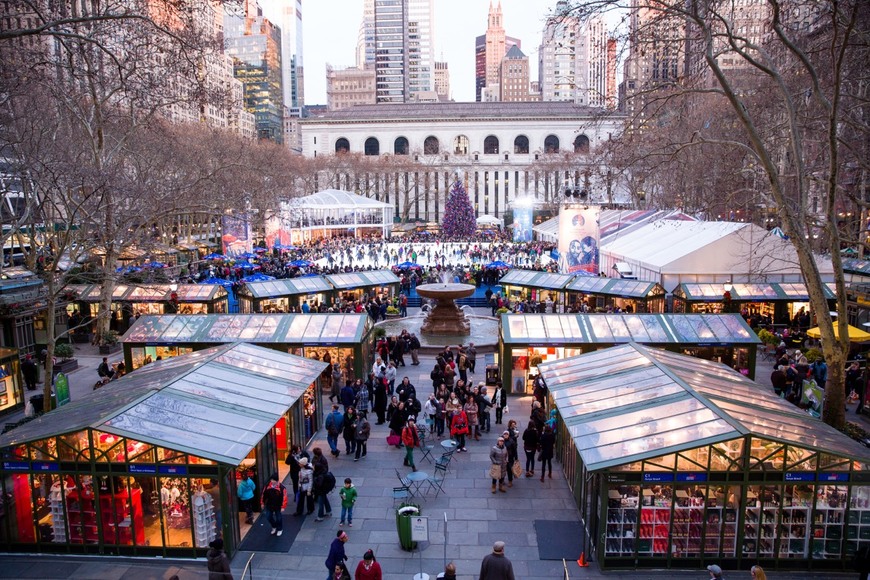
[(855, 334), (287, 287), (567, 329), (151, 292), (629, 402), (367, 279), (771, 292), (256, 328), (620, 287), (216, 403), (536, 279)]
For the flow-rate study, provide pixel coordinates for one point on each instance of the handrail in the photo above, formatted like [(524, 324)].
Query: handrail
[(565, 567), (247, 567)]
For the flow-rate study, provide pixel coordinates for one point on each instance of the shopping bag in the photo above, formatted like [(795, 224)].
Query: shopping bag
[(393, 440), (517, 469), (495, 471)]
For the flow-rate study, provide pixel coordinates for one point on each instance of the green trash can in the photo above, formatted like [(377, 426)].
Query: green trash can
[(403, 525)]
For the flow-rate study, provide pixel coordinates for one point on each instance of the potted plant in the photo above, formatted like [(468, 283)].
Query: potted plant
[(109, 343), (392, 312), (64, 353)]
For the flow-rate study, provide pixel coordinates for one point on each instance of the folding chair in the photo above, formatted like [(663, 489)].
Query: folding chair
[(437, 479), (406, 483), (401, 493), (446, 458)]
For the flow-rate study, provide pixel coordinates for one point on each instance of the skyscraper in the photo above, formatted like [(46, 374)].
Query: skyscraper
[(490, 49), (396, 38), (254, 44), (573, 60), (287, 14), (442, 80), (514, 77)]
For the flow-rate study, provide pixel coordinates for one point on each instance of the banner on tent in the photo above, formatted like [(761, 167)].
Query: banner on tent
[(236, 234), (578, 239), (523, 224)]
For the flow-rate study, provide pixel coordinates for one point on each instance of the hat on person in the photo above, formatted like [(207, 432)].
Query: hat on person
[(508, 433), (342, 536), (714, 569), (481, 384), (498, 547), (303, 461)]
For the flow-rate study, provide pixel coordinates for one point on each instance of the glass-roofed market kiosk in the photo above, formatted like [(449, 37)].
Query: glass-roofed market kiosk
[(680, 462), (527, 340), (148, 465)]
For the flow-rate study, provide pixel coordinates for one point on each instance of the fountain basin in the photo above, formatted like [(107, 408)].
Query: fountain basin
[(484, 332), (445, 318)]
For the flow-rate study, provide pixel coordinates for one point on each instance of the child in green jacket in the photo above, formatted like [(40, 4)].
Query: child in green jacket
[(348, 498)]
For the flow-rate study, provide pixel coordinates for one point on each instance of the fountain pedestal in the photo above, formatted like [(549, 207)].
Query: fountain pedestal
[(445, 318)]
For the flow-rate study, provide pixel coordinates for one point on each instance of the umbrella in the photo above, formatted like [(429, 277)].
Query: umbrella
[(498, 265), (155, 265), (244, 265), (260, 250), (221, 281), (258, 277), (247, 256), (408, 266), (128, 269), (855, 334), (215, 257), (299, 264)]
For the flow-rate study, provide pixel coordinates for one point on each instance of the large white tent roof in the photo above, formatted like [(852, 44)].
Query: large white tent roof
[(686, 247), (336, 198)]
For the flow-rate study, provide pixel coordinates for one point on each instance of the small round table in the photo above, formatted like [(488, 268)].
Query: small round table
[(449, 444), (417, 478)]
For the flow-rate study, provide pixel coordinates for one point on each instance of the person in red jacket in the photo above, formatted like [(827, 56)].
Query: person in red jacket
[(411, 439), (274, 500), (459, 429), (368, 568)]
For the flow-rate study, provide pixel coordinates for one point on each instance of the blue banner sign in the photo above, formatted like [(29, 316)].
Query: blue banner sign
[(45, 466), (16, 466), (800, 476), (135, 468), (691, 477), (657, 477), (173, 469), (841, 476)]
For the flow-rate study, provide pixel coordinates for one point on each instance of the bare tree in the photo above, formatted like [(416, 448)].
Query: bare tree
[(792, 88)]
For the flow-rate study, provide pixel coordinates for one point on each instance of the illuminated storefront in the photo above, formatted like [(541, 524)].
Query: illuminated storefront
[(601, 294), (149, 467), (678, 462), (528, 340), (11, 381), (282, 295), (536, 286), (781, 302), (353, 285)]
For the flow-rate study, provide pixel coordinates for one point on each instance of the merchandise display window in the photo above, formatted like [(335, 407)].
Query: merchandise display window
[(11, 389), (142, 356)]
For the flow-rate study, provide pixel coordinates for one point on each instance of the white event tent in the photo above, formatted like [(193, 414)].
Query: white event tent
[(675, 252), (332, 212)]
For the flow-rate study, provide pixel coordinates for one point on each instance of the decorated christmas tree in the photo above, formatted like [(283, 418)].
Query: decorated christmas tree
[(459, 218)]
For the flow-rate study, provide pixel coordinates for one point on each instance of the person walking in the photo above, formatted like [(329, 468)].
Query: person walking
[(715, 572), (381, 397), (368, 568), (411, 440), (335, 387), (510, 445), (348, 495), (758, 573), (530, 447), (547, 443), (348, 430), (414, 346), (245, 491), (496, 566), (498, 458), (274, 500), (499, 402), (334, 423), (306, 488), (217, 562), (337, 556), (363, 430), (320, 465), (31, 372)]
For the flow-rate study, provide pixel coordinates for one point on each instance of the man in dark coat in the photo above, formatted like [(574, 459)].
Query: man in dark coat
[(496, 566), (30, 372)]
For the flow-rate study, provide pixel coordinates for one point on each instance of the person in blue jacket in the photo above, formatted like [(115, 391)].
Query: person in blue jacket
[(246, 489)]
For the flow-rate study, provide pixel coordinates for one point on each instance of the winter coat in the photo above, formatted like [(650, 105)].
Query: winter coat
[(547, 442), (348, 496), (218, 565), (274, 496), (363, 429), (499, 456), (306, 479), (470, 409), (349, 426), (530, 439), (459, 424), (246, 489)]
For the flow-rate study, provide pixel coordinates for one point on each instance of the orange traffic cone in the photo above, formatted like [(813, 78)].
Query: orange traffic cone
[(582, 560)]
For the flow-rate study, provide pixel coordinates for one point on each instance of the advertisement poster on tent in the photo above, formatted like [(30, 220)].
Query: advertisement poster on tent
[(523, 224), (236, 235), (277, 232), (578, 240)]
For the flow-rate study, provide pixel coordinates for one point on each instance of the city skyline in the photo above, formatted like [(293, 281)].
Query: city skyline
[(454, 42)]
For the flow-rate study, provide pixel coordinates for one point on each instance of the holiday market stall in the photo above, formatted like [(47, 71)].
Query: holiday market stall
[(527, 340), (282, 295), (536, 286), (149, 465), (612, 293), (678, 462), (352, 285)]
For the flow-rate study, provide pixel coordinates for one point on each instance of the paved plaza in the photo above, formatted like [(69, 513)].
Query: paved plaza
[(475, 517)]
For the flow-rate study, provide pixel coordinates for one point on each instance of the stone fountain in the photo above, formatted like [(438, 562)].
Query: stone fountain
[(445, 318)]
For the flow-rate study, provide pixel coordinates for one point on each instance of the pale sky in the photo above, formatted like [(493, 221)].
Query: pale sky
[(330, 29)]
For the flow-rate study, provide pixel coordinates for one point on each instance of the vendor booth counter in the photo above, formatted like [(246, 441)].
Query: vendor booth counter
[(148, 466), (780, 302), (352, 285), (677, 462), (527, 340)]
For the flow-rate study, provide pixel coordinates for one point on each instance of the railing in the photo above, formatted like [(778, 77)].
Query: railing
[(248, 568)]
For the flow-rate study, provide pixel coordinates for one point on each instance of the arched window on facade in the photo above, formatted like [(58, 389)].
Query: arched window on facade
[(521, 144), (581, 144), (431, 146), (373, 147), (460, 145), (490, 145), (400, 146), (342, 145), (551, 144)]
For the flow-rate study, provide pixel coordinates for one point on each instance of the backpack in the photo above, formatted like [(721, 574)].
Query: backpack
[(328, 482)]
